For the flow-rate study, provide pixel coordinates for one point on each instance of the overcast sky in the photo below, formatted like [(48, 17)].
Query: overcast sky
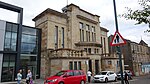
[(103, 8)]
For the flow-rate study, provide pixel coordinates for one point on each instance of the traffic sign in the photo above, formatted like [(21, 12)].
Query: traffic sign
[(117, 39)]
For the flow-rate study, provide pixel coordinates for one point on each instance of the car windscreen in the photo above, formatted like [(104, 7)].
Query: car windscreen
[(60, 73), (102, 73)]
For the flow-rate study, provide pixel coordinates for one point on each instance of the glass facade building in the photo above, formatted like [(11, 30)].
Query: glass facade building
[(29, 53)]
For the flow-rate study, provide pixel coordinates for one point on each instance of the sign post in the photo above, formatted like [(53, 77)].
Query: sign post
[(118, 40)]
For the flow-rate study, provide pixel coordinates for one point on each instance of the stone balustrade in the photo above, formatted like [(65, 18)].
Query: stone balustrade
[(67, 53)]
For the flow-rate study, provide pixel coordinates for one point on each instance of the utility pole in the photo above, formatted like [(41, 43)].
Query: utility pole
[(118, 47)]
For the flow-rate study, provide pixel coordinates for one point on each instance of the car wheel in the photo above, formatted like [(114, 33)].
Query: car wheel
[(61, 83), (106, 80), (82, 82), (116, 79)]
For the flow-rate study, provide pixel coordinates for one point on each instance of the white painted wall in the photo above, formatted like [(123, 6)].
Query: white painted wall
[(2, 34), (1, 60)]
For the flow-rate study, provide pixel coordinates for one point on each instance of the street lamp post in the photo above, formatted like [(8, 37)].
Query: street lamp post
[(118, 47)]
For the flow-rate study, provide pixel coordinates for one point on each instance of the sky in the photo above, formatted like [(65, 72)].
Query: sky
[(102, 8)]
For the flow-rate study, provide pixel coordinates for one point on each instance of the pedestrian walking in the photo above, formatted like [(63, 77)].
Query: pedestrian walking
[(89, 75), (126, 78), (29, 77), (19, 76)]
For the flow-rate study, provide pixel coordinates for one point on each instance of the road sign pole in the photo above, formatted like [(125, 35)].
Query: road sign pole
[(118, 47)]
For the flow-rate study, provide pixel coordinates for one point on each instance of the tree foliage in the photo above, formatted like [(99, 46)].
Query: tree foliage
[(140, 15)]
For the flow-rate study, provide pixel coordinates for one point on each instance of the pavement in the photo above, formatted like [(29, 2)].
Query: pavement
[(37, 81)]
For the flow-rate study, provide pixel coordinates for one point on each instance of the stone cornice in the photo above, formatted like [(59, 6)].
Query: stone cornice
[(87, 19), (50, 11), (69, 58), (95, 44)]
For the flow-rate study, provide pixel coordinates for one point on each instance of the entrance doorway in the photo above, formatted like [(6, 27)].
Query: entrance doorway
[(90, 65), (25, 69), (28, 62), (96, 66)]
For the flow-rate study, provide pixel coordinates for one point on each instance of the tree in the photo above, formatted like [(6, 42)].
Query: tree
[(139, 15)]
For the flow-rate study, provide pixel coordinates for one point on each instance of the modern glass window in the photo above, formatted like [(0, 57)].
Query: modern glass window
[(28, 30), (62, 37), (8, 68), (10, 37), (29, 41)]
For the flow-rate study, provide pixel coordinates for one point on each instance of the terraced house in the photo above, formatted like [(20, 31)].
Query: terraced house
[(70, 40)]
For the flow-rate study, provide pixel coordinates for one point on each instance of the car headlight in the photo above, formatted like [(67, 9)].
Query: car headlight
[(54, 80)]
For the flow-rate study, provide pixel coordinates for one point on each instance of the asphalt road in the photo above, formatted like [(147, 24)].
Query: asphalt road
[(136, 80)]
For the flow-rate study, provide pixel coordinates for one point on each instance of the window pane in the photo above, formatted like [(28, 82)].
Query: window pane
[(75, 65), (70, 65), (27, 30), (7, 45), (13, 46), (28, 48), (14, 35), (79, 65), (8, 26), (28, 39), (15, 28), (81, 25), (8, 35)]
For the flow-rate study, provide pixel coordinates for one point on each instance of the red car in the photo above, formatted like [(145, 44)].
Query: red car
[(67, 77)]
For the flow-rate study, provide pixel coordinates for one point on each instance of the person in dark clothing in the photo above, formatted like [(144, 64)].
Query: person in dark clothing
[(126, 78)]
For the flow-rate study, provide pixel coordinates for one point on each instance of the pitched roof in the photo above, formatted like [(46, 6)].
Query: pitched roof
[(143, 43)]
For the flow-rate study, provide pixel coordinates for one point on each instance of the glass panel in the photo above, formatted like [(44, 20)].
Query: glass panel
[(28, 48), (7, 45), (8, 34), (70, 65), (28, 39), (75, 65), (28, 30), (8, 26), (8, 68), (14, 35), (79, 65), (13, 46), (15, 28)]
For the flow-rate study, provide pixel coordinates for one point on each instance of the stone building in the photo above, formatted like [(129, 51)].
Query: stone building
[(70, 40), (136, 57), (112, 59)]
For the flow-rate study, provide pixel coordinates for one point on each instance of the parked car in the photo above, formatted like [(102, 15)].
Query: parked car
[(128, 72), (67, 77), (105, 76)]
